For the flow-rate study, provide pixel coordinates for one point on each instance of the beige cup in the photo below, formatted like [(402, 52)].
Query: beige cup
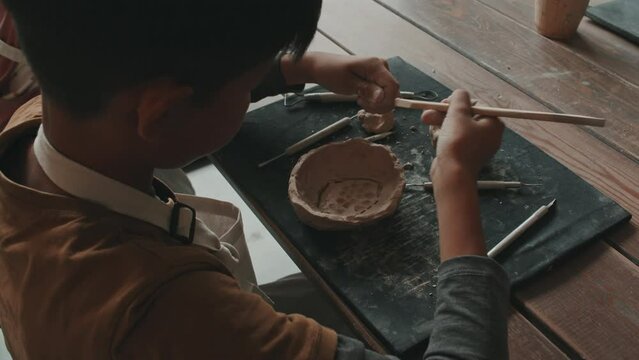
[(559, 19)]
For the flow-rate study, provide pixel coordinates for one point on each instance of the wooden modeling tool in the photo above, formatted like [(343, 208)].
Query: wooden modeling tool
[(536, 216), (329, 97), (378, 137), (484, 185), (506, 113), (312, 139), (321, 97)]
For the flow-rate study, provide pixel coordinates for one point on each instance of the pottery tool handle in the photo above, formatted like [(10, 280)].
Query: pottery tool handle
[(312, 139), (491, 184), (329, 97), (378, 137), (506, 113), (486, 185), (520, 229)]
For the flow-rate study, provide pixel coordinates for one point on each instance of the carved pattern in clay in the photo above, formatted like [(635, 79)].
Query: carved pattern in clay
[(347, 184)]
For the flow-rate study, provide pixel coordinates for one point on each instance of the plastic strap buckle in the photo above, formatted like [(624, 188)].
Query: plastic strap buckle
[(175, 223)]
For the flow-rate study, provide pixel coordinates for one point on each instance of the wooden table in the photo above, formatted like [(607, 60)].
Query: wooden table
[(588, 305)]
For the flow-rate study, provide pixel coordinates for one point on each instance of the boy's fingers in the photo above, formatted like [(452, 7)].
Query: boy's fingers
[(376, 71), (433, 117), (378, 74), (490, 126), (369, 92), (460, 104), (385, 64), (375, 98)]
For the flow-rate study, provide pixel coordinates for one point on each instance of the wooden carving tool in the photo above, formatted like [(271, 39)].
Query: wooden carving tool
[(312, 139), (506, 113), (378, 137), (484, 185), (329, 97)]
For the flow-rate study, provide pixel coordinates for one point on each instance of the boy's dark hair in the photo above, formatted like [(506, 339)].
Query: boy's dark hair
[(84, 51)]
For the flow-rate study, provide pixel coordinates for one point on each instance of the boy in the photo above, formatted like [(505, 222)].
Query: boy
[(100, 260)]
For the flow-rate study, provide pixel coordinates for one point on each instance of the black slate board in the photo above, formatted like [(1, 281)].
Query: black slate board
[(387, 272), (620, 16)]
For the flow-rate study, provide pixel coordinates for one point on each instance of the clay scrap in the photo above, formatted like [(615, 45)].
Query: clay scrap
[(344, 185), (376, 123), (433, 131)]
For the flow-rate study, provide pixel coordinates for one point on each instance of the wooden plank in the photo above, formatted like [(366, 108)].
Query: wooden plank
[(539, 67), (348, 22), (602, 47), (523, 335), (626, 240), (592, 42), (610, 172), (591, 301)]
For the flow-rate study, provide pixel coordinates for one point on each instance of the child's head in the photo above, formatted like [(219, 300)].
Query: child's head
[(189, 65)]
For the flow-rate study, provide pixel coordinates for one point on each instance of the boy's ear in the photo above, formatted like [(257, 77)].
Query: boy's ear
[(156, 99)]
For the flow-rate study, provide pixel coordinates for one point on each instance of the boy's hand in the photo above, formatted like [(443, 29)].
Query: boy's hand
[(368, 77), (465, 141)]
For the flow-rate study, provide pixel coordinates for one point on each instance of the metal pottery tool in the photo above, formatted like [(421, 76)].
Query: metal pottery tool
[(329, 97), (484, 185), (506, 113), (536, 216), (378, 137), (312, 139)]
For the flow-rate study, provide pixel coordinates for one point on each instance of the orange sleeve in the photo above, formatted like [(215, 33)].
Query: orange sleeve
[(205, 315), (30, 110)]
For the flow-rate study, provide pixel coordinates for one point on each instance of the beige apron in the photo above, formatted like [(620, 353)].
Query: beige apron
[(213, 224), (224, 220)]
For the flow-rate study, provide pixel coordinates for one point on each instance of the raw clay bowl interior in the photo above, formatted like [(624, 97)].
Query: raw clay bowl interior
[(345, 185)]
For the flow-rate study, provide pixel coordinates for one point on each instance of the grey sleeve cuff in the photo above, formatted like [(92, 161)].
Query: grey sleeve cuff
[(351, 349), (473, 265), (470, 321), (274, 83)]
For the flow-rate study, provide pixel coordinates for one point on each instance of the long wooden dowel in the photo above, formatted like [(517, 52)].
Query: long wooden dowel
[(506, 113)]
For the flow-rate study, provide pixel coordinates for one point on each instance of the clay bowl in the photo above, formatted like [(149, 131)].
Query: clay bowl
[(345, 185)]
